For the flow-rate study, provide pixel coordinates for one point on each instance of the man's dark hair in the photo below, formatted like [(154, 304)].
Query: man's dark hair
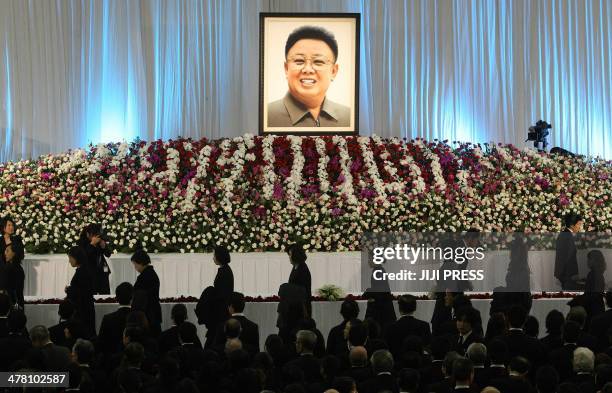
[(78, 254), (84, 351), (407, 304), (571, 332), (408, 380), (134, 354), (554, 322), (571, 219), (5, 304), (547, 379), (222, 255), (188, 332), (232, 328), (236, 300), (449, 360), (141, 257), (462, 369), (16, 321), (532, 326), (517, 316), (468, 314), (179, 313), (603, 375), (358, 333), (497, 351), (440, 345), (519, 364), (349, 309), (124, 293), (296, 252), (312, 33)]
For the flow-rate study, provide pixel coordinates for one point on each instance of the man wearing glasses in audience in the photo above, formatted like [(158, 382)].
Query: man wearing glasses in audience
[(310, 67)]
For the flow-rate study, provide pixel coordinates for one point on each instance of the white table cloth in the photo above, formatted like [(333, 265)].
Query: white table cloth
[(326, 314)]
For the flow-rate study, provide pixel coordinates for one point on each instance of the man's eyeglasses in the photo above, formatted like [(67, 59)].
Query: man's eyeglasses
[(319, 63)]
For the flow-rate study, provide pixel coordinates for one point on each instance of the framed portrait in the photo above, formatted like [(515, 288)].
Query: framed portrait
[(309, 74)]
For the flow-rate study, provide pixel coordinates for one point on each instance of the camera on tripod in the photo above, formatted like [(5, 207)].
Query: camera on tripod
[(538, 134)]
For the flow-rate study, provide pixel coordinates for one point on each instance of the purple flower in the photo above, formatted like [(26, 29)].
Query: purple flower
[(336, 211), (278, 192)]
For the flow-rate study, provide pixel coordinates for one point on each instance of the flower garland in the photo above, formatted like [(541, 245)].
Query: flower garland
[(372, 169), (293, 182), (345, 162), (268, 173)]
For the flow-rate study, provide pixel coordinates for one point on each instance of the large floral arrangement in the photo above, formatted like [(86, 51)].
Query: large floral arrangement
[(258, 193)]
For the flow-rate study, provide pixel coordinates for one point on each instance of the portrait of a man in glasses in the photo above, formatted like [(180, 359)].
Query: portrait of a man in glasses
[(311, 55)]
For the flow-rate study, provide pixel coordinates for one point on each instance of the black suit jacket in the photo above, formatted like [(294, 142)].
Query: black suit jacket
[(300, 275), (12, 349), (148, 281), (378, 383), (56, 358), (406, 326), (57, 335), (599, 328), (513, 384), (97, 265), (461, 348), (562, 360), (566, 263), (310, 365), (224, 282), (110, 339), (80, 293), (519, 344), (336, 344), (250, 333)]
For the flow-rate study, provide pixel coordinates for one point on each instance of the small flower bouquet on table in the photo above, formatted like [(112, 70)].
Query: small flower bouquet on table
[(330, 292)]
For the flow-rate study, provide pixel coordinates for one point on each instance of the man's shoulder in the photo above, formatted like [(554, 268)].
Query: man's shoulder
[(278, 116), (341, 112)]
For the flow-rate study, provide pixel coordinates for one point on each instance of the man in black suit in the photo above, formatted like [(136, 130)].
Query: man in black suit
[(406, 325), (566, 263), (83, 353), (382, 368), (5, 308), (498, 354), (336, 342), (359, 369), (56, 332), (562, 358), (190, 354), (56, 358), (517, 380), (169, 338), (447, 384), (305, 344), (16, 343), (300, 274), (463, 374), (113, 324), (477, 353), (249, 333), (519, 344), (467, 318), (601, 323), (547, 380), (147, 283), (584, 365)]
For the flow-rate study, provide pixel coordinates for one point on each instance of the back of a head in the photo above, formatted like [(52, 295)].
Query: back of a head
[(571, 219), (449, 360), (179, 313), (554, 322), (188, 333), (607, 388), (84, 351), (407, 304), (519, 365), (237, 302), (124, 293), (5, 304), (577, 314), (232, 328), (297, 253), (603, 375), (330, 367), (532, 326), (222, 255), (349, 309), (439, 347), (477, 353), (232, 344), (358, 356), (382, 361), (547, 379), (39, 335), (584, 360), (462, 370), (187, 385), (517, 316), (307, 339), (358, 333), (468, 314), (498, 351), (490, 389), (343, 384), (134, 354), (141, 257), (409, 380), (17, 321), (571, 332)]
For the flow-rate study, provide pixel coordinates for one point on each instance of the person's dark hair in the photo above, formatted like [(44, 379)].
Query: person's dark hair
[(18, 250), (468, 314), (496, 326), (296, 253), (343, 384), (358, 333), (407, 304), (236, 300), (409, 380), (275, 347), (134, 334), (134, 354), (577, 314), (188, 333), (498, 351), (179, 313), (222, 255), (374, 329), (39, 334), (547, 379), (5, 304), (449, 361), (349, 309), (532, 326), (330, 367), (16, 321), (571, 219), (129, 380), (554, 322), (596, 261), (78, 254), (462, 369), (5, 222), (294, 388), (519, 364), (84, 351), (461, 301), (124, 293), (517, 316), (141, 257), (312, 33), (571, 332)]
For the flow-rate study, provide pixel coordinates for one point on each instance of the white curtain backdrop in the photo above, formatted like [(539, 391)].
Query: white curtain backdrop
[(74, 72)]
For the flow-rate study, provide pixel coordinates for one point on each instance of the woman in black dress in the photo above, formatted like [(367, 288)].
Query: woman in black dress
[(81, 290), (146, 288), (13, 255), (224, 280), (97, 250)]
